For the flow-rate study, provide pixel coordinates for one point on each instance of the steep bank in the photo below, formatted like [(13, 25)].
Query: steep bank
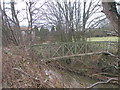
[(59, 74)]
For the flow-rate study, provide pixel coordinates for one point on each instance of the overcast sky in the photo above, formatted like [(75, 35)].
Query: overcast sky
[(21, 5)]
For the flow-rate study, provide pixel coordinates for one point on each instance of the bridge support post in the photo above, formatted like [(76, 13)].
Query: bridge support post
[(49, 48), (75, 48), (63, 50)]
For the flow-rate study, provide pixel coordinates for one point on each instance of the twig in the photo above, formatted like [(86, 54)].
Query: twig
[(104, 74), (91, 86), (26, 74), (108, 53), (34, 78)]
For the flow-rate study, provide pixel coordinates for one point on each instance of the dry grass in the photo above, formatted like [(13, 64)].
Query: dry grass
[(29, 62), (20, 58)]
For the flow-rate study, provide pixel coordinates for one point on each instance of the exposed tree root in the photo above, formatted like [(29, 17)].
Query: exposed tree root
[(104, 82)]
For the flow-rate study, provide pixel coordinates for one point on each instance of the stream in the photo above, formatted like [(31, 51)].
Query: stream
[(78, 81), (71, 80)]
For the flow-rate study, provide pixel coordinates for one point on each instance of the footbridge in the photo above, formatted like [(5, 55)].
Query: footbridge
[(56, 51)]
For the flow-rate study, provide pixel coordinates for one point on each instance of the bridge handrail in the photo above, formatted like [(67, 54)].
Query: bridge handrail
[(60, 49), (74, 43)]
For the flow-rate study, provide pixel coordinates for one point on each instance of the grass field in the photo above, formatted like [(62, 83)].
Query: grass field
[(102, 39)]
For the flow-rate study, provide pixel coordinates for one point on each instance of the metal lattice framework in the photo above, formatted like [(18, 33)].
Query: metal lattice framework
[(49, 51)]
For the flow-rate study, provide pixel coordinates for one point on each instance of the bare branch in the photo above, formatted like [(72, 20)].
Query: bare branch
[(104, 82), (26, 74), (86, 54)]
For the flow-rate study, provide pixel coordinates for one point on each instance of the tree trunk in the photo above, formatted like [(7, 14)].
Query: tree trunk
[(119, 47), (111, 14), (109, 8)]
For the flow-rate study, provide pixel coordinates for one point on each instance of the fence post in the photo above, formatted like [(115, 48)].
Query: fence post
[(110, 46), (85, 47), (75, 48), (63, 49), (49, 47)]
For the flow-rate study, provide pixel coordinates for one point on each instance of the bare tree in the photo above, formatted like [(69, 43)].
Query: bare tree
[(16, 23), (74, 17), (66, 17), (11, 22), (10, 27), (33, 16), (110, 10)]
